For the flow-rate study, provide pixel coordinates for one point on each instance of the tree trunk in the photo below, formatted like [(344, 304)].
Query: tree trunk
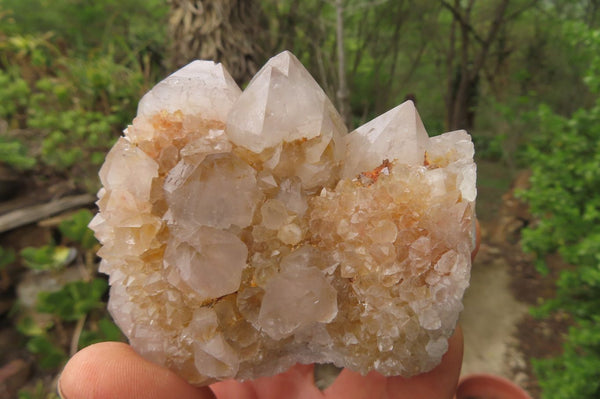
[(226, 31), (343, 96), (463, 87)]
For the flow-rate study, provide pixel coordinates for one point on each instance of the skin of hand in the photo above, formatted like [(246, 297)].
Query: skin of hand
[(112, 370)]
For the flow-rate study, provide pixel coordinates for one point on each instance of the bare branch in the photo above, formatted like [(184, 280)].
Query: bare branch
[(519, 11), (460, 18), (74, 346), (371, 36), (496, 24), (32, 214)]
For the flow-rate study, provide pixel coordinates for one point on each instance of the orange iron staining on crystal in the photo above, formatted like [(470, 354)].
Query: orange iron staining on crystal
[(372, 176)]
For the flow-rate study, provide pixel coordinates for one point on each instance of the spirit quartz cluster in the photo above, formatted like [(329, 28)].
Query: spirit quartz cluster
[(244, 232)]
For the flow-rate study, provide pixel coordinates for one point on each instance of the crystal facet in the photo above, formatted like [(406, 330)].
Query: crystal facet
[(244, 232)]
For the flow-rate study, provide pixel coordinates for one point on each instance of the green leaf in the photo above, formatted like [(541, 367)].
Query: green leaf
[(15, 154), (106, 331), (50, 355), (74, 300), (47, 257), (76, 229), (110, 330), (30, 328)]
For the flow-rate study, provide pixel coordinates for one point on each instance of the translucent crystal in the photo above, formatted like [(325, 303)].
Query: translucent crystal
[(397, 135), (285, 120), (246, 231), (202, 87), (286, 105), (210, 261), (303, 288)]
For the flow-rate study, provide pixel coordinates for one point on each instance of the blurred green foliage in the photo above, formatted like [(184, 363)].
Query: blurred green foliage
[(50, 355), (40, 391), (88, 25), (106, 331), (76, 229), (72, 71), (68, 89), (46, 257), (14, 92), (13, 152), (565, 197), (74, 300), (77, 305)]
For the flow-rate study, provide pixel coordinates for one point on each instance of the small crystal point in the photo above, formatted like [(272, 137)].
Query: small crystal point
[(210, 261), (398, 135), (126, 157), (462, 144), (307, 291)]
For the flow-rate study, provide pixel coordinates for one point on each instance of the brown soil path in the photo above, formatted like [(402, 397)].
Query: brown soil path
[(501, 337), (489, 320)]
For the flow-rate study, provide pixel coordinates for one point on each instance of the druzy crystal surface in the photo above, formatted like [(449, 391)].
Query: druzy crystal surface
[(244, 232)]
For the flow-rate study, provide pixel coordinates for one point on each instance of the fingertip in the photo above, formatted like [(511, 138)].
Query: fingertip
[(80, 371), (113, 370)]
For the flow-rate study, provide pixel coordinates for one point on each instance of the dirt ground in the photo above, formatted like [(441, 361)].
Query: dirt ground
[(489, 320)]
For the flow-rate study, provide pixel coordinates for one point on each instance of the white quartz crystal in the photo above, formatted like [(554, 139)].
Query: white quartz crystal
[(294, 130), (300, 287), (244, 232), (397, 135), (201, 87), (286, 105)]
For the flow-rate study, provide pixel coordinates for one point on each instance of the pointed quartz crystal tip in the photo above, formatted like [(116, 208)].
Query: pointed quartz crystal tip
[(126, 157), (201, 87), (284, 104), (398, 136)]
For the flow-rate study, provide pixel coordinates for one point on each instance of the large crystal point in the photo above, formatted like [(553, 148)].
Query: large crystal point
[(286, 104), (244, 233), (293, 125)]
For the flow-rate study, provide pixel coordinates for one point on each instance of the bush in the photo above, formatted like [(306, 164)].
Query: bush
[(71, 74), (565, 198), (68, 90)]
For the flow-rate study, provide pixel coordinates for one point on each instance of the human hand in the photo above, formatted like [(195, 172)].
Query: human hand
[(112, 370)]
